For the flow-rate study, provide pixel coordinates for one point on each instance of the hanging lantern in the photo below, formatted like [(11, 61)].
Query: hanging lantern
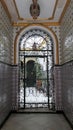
[(34, 9)]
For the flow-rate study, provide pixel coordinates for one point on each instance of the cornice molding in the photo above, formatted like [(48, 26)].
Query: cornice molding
[(45, 24)]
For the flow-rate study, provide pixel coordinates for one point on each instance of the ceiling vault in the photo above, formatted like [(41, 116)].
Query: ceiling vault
[(52, 17)]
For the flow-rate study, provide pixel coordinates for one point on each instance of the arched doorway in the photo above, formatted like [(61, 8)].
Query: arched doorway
[(36, 61)]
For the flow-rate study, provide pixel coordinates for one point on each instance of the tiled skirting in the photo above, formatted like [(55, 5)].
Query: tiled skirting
[(57, 88), (15, 85), (5, 90), (67, 90)]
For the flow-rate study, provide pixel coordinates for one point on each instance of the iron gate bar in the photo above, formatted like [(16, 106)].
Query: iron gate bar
[(40, 56), (24, 82), (35, 56), (47, 79), (35, 50)]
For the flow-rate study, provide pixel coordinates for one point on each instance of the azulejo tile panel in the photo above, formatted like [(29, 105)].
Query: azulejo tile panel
[(6, 38), (67, 35)]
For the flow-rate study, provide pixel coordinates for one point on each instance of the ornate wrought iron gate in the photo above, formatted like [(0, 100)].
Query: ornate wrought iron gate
[(36, 86)]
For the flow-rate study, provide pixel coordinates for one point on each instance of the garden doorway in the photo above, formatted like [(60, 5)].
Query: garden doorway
[(36, 61)]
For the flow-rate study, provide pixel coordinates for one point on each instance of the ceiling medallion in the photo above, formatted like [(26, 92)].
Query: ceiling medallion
[(34, 9)]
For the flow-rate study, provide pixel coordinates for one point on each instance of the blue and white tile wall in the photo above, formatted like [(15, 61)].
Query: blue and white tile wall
[(67, 90), (67, 58), (6, 38), (56, 30), (6, 56), (67, 35)]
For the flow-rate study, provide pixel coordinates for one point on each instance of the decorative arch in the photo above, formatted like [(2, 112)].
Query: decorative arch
[(33, 26)]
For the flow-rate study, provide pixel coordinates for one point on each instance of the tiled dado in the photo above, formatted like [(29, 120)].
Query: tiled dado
[(57, 88), (15, 90), (67, 90), (5, 90)]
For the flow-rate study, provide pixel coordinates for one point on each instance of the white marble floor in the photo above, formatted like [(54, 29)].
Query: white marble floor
[(36, 122)]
